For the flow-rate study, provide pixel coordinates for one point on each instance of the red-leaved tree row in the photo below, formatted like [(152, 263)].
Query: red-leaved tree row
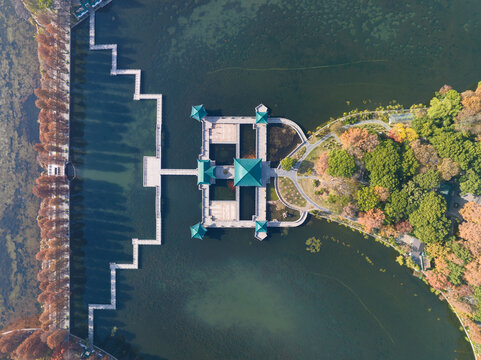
[(53, 102)]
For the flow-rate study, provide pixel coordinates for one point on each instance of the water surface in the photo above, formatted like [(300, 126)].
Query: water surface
[(230, 296)]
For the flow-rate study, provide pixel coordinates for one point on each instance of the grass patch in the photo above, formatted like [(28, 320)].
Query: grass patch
[(290, 193)]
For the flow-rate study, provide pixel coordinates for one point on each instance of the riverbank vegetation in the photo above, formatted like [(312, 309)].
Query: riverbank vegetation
[(414, 183), (49, 337)]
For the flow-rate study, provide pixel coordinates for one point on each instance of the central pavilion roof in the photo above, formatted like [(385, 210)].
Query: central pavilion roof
[(248, 172), (206, 172)]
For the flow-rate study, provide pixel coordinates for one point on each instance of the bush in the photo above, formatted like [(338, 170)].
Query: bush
[(287, 163)]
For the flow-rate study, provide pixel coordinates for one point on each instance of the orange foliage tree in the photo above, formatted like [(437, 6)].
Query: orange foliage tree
[(372, 219), (357, 141)]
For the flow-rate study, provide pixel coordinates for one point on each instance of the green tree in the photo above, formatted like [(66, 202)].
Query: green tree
[(287, 163), (454, 145), (461, 252), (409, 164), (341, 164), (445, 107), (384, 165), (429, 220), (367, 198), (424, 126), (429, 180), (470, 183), (456, 273), (396, 207)]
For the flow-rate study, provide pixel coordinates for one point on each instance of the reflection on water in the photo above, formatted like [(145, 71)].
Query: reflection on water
[(230, 296)]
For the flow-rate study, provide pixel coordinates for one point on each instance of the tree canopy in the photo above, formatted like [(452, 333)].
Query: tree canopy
[(341, 164), (429, 219), (367, 198)]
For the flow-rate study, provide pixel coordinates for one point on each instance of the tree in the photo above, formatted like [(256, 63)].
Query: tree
[(367, 198), (32, 347), (470, 183), (445, 107), (372, 219), (341, 164), (396, 207), (428, 180), (357, 141), (448, 169), (404, 227), (409, 164), (322, 163), (382, 193), (384, 165), (9, 342), (350, 211), (461, 252), (287, 163), (401, 133), (455, 273), (57, 338), (437, 280), (429, 220), (471, 211), (425, 153), (472, 274), (454, 145)]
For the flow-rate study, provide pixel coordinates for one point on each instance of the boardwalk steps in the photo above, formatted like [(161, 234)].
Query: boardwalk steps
[(114, 71)]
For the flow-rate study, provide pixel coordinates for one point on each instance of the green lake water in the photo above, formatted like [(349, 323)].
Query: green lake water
[(230, 296)]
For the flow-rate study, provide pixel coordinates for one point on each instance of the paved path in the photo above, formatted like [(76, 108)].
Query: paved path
[(135, 242), (293, 175)]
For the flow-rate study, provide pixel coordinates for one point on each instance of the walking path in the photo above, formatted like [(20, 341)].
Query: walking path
[(158, 158)]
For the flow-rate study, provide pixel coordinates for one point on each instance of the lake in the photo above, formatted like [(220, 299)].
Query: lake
[(231, 296)]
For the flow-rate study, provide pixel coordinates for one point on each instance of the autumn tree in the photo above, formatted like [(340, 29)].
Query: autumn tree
[(350, 210), (472, 274), (57, 338), (357, 141), (32, 347), (437, 280), (372, 219), (448, 169), (404, 227), (322, 164), (470, 230), (401, 133), (425, 154), (9, 342)]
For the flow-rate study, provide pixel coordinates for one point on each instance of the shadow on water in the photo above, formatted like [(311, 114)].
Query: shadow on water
[(208, 299)]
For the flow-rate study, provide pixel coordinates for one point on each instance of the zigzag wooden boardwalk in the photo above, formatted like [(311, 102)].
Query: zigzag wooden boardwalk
[(135, 242)]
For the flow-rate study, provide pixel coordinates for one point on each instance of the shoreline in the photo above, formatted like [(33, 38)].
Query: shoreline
[(306, 147)]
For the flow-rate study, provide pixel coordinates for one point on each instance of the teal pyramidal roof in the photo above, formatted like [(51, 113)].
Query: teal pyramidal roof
[(261, 117), (205, 172), (261, 226), (248, 172), (197, 231), (198, 112)]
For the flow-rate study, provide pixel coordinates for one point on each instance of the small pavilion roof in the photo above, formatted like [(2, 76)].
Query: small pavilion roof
[(261, 226), (248, 172), (206, 172), (198, 112), (261, 117), (197, 231)]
